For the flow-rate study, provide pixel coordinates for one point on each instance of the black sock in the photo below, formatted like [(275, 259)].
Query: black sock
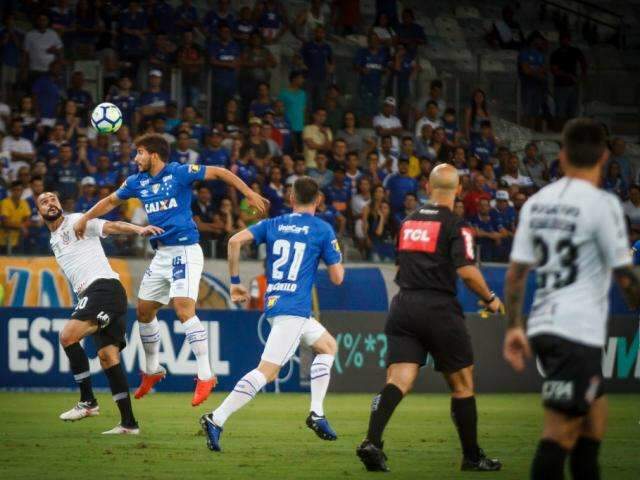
[(382, 408), (465, 418), (120, 391), (80, 367), (584, 459), (548, 464)]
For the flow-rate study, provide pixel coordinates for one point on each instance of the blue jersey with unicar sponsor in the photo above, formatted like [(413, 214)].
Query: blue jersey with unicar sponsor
[(166, 197), (296, 243)]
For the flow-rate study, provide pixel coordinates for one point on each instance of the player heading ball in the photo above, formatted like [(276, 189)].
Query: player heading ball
[(165, 190)]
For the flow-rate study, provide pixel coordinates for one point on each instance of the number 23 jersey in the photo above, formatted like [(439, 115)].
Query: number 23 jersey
[(295, 244), (575, 235)]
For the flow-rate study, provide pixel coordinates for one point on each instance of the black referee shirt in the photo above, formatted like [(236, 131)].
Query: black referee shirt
[(432, 244)]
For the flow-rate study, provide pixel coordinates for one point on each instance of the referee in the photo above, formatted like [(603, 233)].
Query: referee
[(426, 318)]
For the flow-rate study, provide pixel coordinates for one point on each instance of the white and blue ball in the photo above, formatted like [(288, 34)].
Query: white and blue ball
[(106, 118)]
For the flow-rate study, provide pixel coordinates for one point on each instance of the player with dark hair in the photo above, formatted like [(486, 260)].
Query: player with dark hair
[(434, 247), (296, 243), (165, 190), (574, 235), (101, 309)]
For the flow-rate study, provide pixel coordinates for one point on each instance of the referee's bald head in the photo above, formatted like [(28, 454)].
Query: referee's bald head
[(444, 177)]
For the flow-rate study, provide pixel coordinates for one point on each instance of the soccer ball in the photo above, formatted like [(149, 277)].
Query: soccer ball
[(106, 118)]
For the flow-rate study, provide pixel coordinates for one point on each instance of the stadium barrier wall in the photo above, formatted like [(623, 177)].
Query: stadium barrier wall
[(33, 359)]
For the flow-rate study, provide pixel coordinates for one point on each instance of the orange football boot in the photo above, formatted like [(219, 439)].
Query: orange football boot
[(148, 381), (203, 389)]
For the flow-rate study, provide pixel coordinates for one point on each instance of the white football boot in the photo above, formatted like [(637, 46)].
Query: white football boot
[(120, 430), (80, 411)]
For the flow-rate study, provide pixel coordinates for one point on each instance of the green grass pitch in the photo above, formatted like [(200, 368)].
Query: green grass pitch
[(268, 439)]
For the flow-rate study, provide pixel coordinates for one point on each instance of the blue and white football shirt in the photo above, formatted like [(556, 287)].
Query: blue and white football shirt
[(295, 244)]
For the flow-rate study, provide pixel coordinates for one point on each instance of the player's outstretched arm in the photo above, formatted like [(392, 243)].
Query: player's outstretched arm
[(257, 201), (101, 208), (124, 228), (516, 346), (238, 291), (628, 279)]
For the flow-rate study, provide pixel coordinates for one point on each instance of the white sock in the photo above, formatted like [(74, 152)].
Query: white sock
[(244, 391), (150, 336), (320, 377), (198, 340)]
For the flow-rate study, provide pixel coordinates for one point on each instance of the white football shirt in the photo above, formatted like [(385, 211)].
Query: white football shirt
[(82, 261), (574, 234)]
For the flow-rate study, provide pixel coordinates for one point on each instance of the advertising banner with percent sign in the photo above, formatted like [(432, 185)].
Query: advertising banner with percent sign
[(362, 345)]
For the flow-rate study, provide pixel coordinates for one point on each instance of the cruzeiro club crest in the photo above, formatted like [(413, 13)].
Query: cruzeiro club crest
[(155, 188)]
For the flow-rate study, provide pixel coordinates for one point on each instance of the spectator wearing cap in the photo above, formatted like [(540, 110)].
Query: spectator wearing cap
[(47, 91), (21, 151), (564, 63), (66, 173), (42, 46), (224, 57), (399, 184), (316, 137), (534, 165), (489, 234), (105, 174), (484, 146), (409, 153), (338, 193), (317, 57), (512, 175), (431, 118), (263, 102), (87, 198), (320, 173), (126, 100), (386, 123), (154, 100), (532, 71), (256, 63), (371, 63), (410, 34), (76, 92), (134, 28), (476, 193), (294, 100), (14, 218), (182, 152), (330, 215), (190, 59), (504, 214)]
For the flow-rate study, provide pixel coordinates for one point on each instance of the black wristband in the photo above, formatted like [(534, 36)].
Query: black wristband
[(491, 298)]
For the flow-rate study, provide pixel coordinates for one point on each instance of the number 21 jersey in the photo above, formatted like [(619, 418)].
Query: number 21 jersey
[(575, 235), (295, 244)]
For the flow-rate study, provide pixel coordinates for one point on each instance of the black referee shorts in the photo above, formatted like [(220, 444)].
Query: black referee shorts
[(421, 323), (105, 301), (572, 374)]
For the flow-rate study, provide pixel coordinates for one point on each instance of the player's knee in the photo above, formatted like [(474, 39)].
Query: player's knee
[(108, 358), (402, 381), (67, 338), (332, 345), (144, 313), (326, 345), (184, 311)]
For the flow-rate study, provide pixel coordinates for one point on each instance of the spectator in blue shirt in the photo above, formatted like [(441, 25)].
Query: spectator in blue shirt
[(410, 34), (489, 233), (134, 28), (87, 198), (330, 215), (162, 18), (450, 126), (66, 173), (280, 122), (221, 13), (76, 92), (410, 204), (338, 193), (404, 68), (105, 174), (126, 100), (48, 93), (224, 57), (154, 101), (294, 100), (372, 64), (186, 16), (317, 56), (214, 154), (399, 184), (274, 192), (55, 138), (263, 102), (244, 27), (272, 20), (11, 40), (484, 147), (532, 71)]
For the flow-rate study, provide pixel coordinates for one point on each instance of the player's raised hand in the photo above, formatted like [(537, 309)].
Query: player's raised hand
[(149, 231), (258, 202), (239, 294), (516, 348), (80, 226)]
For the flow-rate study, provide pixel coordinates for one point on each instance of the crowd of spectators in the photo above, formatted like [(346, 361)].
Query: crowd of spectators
[(371, 178)]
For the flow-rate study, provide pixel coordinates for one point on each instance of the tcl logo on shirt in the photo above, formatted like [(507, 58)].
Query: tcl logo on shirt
[(419, 236)]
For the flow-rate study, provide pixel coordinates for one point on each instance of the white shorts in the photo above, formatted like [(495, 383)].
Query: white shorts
[(287, 331), (175, 271)]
